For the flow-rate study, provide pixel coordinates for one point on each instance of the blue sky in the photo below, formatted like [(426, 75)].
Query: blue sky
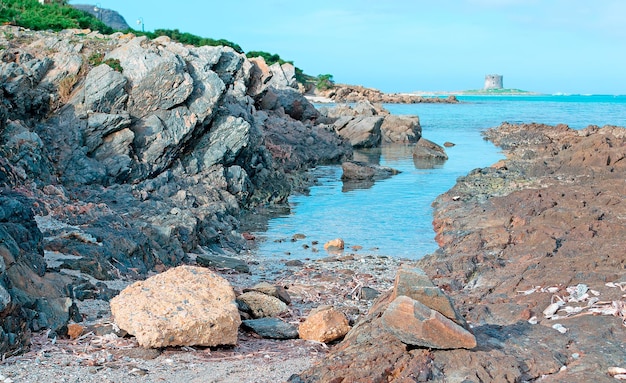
[(548, 46)]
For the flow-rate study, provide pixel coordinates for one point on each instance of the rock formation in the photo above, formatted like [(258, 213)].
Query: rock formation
[(353, 93), (130, 154), (365, 125)]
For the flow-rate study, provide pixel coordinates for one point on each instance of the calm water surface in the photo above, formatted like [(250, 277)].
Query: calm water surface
[(394, 216)]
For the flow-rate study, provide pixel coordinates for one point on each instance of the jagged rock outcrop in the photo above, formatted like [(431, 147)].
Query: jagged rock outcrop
[(141, 150), (366, 125)]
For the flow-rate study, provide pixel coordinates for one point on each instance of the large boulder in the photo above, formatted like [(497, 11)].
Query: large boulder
[(401, 129), (361, 132), (428, 150), (184, 306)]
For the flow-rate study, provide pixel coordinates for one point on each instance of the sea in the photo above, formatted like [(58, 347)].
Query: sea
[(393, 217)]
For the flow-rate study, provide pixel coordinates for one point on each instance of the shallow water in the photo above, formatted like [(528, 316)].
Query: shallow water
[(394, 216)]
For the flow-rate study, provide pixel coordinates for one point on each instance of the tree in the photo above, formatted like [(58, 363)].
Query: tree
[(324, 82)]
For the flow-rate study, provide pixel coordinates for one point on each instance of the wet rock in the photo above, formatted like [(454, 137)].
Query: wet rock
[(416, 324), (262, 305), (209, 260), (183, 306), (334, 244), (324, 324), (272, 328), (354, 171), (272, 290), (425, 149)]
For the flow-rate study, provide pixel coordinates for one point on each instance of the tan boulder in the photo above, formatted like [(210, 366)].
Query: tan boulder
[(324, 324), (262, 305), (184, 306), (415, 324), (336, 243)]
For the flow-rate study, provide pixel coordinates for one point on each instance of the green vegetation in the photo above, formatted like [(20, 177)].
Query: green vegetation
[(188, 38), (58, 15), (55, 16), (321, 82), (324, 82)]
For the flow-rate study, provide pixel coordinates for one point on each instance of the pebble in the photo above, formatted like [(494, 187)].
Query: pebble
[(560, 328)]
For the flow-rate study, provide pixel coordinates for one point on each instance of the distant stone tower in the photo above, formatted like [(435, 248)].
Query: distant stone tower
[(493, 81)]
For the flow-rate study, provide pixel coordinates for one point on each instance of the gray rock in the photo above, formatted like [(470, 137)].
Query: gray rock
[(262, 305), (361, 132), (100, 125), (429, 150), (269, 289), (360, 171), (105, 90), (272, 328), (108, 16), (208, 260), (401, 129)]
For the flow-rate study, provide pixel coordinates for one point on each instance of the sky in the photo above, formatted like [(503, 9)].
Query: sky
[(546, 46)]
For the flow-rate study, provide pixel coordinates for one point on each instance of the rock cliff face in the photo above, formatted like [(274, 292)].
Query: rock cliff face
[(119, 155)]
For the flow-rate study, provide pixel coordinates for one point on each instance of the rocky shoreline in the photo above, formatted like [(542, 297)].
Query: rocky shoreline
[(124, 157), (532, 254)]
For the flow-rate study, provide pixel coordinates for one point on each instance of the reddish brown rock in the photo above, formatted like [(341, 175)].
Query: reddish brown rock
[(551, 215), (324, 324), (415, 284), (416, 324)]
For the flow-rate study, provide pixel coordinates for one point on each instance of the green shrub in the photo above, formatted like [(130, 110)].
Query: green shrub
[(324, 82), (188, 38), (55, 16)]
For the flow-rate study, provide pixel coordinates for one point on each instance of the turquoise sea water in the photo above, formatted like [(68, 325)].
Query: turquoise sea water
[(394, 216)]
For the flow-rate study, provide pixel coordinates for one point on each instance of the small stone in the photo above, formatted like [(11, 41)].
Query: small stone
[(74, 330), (448, 144), (263, 305), (336, 243), (324, 324), (294, 263), (272, 328), (416, 324)]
